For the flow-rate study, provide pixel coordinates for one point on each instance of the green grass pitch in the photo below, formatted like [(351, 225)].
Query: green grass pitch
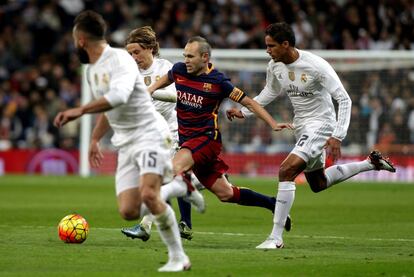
[(353, 229)]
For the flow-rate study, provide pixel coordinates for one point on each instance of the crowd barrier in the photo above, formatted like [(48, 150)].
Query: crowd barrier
[(60, 162)]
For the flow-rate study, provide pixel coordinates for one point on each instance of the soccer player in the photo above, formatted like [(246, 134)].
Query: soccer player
[(200, 90), (140, 133), (143, 46), (311, 83)]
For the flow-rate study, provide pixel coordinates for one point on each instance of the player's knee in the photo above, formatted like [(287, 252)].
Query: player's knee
[(128, 213), (287, 173), (149, 197), (231, 194), (317, 186), (225, 197), (317, 181)]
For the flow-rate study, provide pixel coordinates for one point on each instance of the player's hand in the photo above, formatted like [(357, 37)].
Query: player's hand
[(281, 126), (95, 154), (333, 148), (64, 117), (232, 113)]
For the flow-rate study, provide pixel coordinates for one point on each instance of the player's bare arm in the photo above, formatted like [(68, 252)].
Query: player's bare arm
[(95, 155), (259, 111), (160, 83), (96, 106)]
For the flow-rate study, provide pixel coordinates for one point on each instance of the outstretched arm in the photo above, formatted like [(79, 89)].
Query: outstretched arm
[(161, 83), (96, 106), (254, 107)]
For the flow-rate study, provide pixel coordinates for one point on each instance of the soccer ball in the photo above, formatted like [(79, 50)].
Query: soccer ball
[(73, 228)]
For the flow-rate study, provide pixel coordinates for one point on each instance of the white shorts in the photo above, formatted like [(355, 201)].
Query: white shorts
[(141, 158), (311, 140)]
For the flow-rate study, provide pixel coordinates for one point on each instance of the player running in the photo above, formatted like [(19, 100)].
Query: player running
[(200, 91), (311, 83), (143, 46), (141, 135)]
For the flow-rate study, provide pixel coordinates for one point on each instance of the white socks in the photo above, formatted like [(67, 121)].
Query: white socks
[(338, 173), (285, 197), (168, 229), (176, 188)]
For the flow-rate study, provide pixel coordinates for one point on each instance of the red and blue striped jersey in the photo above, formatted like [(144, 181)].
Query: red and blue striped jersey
[(198, 100)]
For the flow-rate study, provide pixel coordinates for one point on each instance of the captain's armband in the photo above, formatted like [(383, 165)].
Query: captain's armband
[(237, 95)]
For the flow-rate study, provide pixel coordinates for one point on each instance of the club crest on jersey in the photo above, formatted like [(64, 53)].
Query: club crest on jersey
[(207, 87), (303, 78), (147, 80), (105, 79), (157, 78), (292, 76)]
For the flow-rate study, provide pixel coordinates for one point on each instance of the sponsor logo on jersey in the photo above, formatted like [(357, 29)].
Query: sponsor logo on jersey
[(293, 91), (147, 80), (292, 76), (105, 79), (189, 99)]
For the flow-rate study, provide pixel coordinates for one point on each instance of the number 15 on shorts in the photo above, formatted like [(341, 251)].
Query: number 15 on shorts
[(149, 159)]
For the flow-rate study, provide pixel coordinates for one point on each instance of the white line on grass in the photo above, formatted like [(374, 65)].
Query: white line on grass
[(241, 234)]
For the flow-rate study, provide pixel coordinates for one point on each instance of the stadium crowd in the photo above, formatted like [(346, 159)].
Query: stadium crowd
[(39, 71)]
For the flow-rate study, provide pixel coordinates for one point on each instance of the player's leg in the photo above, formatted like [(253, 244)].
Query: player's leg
[(153, 163), (164, 218), (182, 162), (127, 187), (227, 192), (290, 168), (129, 203), (184, 224), (322, 179), (176, 188)]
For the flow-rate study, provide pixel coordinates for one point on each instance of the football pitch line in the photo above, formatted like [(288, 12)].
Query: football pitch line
[(243, 234)]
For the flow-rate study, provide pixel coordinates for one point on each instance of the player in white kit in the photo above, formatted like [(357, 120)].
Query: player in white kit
[(141, 135), (142, 45), (311, 83)]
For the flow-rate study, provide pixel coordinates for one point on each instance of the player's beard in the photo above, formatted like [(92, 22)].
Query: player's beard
[(82, 55)]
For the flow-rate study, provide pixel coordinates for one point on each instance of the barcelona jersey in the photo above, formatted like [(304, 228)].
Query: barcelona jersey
[(198, 100)]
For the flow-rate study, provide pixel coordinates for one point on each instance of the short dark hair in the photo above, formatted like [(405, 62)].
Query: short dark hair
[(204, 46), (91, 23), (281, 32), (145, 37)]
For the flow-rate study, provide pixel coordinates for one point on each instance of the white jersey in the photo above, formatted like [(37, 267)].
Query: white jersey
[(159, 68), (311, 83), (133, 118)]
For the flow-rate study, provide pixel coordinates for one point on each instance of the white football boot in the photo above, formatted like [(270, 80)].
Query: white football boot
[(270, 243), (176, 264)]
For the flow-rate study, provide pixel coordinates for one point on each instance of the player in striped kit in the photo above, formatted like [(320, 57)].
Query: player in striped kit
[(311, 83), (141, 135), (200, 91), (142, 45)]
